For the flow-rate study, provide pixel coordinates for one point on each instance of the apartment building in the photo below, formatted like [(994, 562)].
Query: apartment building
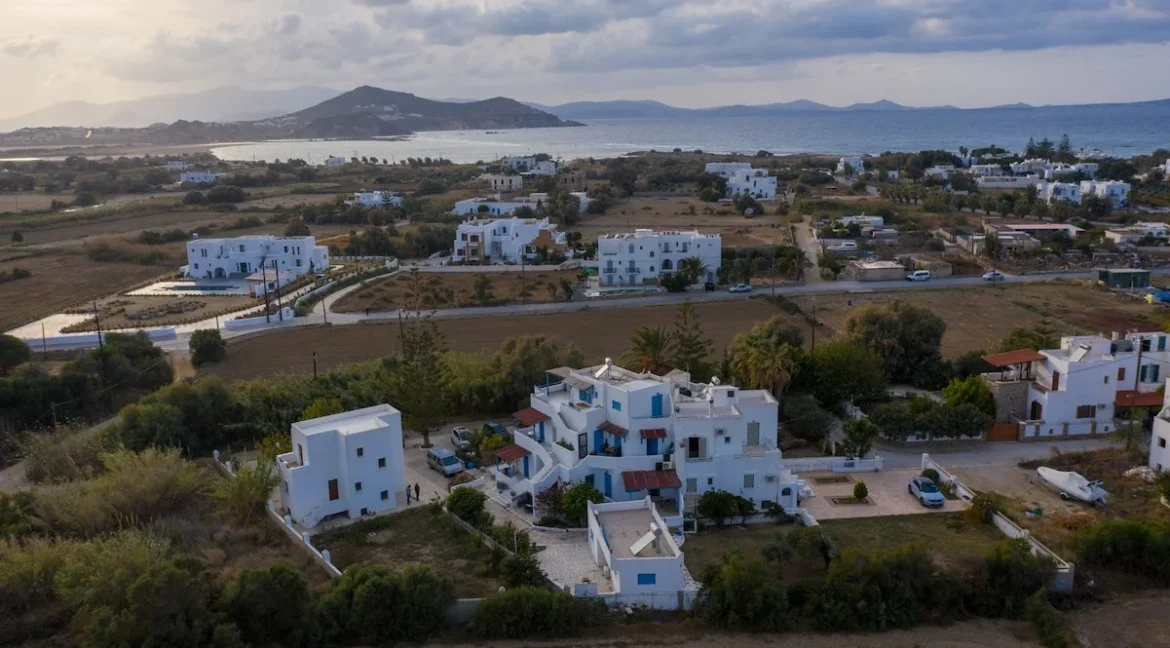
[(637, 435), (497, 206), (176, 165), (632, 544), (519, 163), (1160, 439), (645, 255), (1051, 192), (743, 179), (1116, 192), (244, 255), (501, 183), (985, 170), (1076, 389), (506, 240), (854, 163), (199, 177), (345, 465)]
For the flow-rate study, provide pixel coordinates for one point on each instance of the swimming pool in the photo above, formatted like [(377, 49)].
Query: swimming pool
[(619, 291)]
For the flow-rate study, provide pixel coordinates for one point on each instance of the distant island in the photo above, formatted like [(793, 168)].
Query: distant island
[(362, 113)]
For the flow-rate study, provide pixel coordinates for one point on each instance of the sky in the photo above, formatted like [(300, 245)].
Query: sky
[(691, 53)]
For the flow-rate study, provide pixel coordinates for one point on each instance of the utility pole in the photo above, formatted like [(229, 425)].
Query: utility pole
[(523, 279), (44, 345), (279, 305), (324, 311), (264, 279), (314, 365), (814, 323), (97, 320)]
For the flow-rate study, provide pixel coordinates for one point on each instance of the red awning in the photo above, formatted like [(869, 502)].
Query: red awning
[(1020, 356), (1128, 398), (529, 417), (655, 433), (636, 480), (611, 428), (511, 453)]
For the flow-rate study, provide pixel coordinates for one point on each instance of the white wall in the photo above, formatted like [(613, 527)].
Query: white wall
[(634, 259), (221, 258), (1160, 445)]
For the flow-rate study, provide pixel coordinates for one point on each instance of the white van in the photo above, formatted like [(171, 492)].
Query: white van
[(919, 275), (444, 461)]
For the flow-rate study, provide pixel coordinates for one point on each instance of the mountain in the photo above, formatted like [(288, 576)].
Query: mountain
[(884, 105), (217, 105), (612, 109)]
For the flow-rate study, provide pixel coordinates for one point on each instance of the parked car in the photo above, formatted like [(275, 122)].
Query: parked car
[(925, 491), (492, 428), (994, 275), (461, 437), (709, 286), (740, 288), (919, 275), (444, 461)]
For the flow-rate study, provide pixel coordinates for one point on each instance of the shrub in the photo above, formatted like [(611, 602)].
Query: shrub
[(576, 500), (1138, 546), (523, 570), (932, 475), (529, 612), (718, 506), (1010, 575), (354, 609), (194, 198), (742, 595), (805, 419), (245, 495), (27, 572), (271, 606), (13, 351), (65, 456), (1049, 622), (467, 504), (511, 537), (99, 573), (16, 514), (207, 347), (882, 590), (226, 194), (860, 491)]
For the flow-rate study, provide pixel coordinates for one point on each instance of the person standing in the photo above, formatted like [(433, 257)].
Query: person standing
[(408, 494), (416, 490)]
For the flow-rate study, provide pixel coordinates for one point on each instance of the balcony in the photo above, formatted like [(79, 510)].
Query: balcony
[(697, 459), (757, 450), (609, 270)]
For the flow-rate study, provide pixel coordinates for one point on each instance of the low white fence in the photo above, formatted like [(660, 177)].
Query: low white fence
[(1062, 581), (287, 313), (90, 340), (680, 600), (833, 464)]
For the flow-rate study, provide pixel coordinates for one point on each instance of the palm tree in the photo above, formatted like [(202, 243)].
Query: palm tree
[(745, 269), (650, 350), (692, 268), (761, 363)]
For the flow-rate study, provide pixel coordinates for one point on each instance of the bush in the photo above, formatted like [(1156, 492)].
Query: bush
[(27, 572), (529, 612), (1010, 575), (719, 506), (52, 458), (742, 595), (99, 573), (467, 504), (271, 606), (195, 198), (1049, 622), (523, 570), (932, 475), (226, 194), (207, 347), (355, 608), (860, 491), (1137, 546), (805, 419), (575, 502), (245, 495), (13, 351)]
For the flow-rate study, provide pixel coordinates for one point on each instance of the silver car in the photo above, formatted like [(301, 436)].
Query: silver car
[(926, 491)]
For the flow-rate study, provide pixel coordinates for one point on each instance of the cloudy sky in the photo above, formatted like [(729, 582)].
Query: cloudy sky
[(685, 52)]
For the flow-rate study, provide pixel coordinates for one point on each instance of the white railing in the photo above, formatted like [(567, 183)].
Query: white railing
[(833, 464)]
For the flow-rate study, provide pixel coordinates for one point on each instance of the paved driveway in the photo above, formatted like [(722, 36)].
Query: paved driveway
[(887, 496)]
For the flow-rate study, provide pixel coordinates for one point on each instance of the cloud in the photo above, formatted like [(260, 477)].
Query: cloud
[(31, 47)]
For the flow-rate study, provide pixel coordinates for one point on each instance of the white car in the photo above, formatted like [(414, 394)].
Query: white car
[(740, 288), (461, 438), (919, 275), (994, 275), (926, 492)]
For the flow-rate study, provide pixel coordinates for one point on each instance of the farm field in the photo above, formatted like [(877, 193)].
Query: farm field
[(21, 201), (123, 311), (978, 317), (598, 333), (445, 290), (952, 541), (63, 280), (674, 213)]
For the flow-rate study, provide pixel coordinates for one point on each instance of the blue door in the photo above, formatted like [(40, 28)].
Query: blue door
[(608, 485), (656, 406), (525, 466), (651, 446), (598, 439)]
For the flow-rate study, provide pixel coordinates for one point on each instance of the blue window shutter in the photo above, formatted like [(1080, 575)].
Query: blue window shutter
[(1154, 369), (647, 579), (1143, 372)]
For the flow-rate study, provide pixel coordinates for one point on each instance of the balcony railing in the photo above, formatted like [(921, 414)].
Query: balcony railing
[(707, 458), (758, 449)]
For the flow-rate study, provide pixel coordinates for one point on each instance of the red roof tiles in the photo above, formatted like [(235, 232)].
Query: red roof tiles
[(636, 480), (511, 453), (654, 433), (613, 429), (1020, 356), (529, 417)]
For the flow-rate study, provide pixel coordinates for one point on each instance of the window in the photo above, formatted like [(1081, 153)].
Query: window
[(1106, 380), (299, 263), (726, 440), (647, 579), (692, 484), (616, 406), (1086, 411), (731, 393), (749, 481), (241, 248), (196, 266), (365, 511), (361, 452), (286, 249), (381, 462), (285, 484), (385, 495), (786, 492), (203, 253), (710, 481), (1120, 374), (1161, 444), (357, 487)]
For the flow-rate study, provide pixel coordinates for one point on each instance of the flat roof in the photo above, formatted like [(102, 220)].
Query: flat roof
[(623, 528), (356, 421), (1041, 226), (1020, 356)]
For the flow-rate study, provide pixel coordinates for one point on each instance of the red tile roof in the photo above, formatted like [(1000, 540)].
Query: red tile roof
[(1126, 398), (655, 433), (1020, 356), (636, 480), (529, 417), (511, 453), (613, 429)]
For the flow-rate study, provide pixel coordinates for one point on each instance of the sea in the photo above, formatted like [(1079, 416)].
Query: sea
[(1120, 130)]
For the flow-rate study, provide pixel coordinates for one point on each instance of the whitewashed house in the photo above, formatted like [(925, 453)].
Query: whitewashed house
[(1051, 192), (519, 163), (941, 171), (335, 161), (633, 545), (1008, 181), (985, 170), (384, 199), (634, 435), (646, 255), (863, 220), (503, 183), (177, 165), (727, 169), (245, 255), (348, 465), (743, 179), (1117, 193), (199, 177), (497, 206), (506, 240), (852, 163), (543, 168), (1160, 439)]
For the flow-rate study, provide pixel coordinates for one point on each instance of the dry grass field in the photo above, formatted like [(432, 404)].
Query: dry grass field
[(22, 201), (682, 212), (598, 333), (456, 289)]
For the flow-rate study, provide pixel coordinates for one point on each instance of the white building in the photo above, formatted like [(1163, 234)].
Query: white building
[(855, 163), (864, 220), (543, 168), (727, 169), (269, 281), (348, 464), (646, 255), (503, 183), (177, 165), (743, 179), (633, 545), (1032, 165), (1160, 438), (1007, 182), (634, 435), (385, 199), (1116, 192), (497, 206), (986, 170), (1051, 192), (506, 240), (942, 171), (334, 161), (518, 163), (199, 177), (244, 255), (1076, 389)]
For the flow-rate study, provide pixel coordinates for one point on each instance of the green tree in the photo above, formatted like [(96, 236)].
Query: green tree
[(954, 422), (860, 491), (651, 348), (859, 437), (1041, 336), (907, 338), (744, 270), (842, 370), (353, 610), (297, 227), (420, 379), (467, 504), (321, 408), (574, 503), (972, 390), (760, 362), (740, 594), (13, 351), (271, 606), (523, 570), (152, 424), (243, 497), (483, 289), (805, 419), (782, 548), (17, 236), (691, 346), (531, 612), (895, 420), (207, 347)]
